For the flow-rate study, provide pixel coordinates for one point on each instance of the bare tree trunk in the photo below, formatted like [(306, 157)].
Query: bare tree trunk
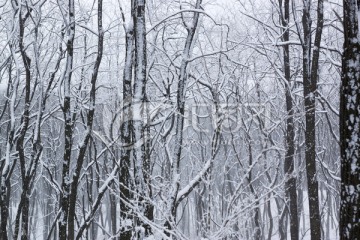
[(68, 134), (6, 173), (290, 178), (126, 214), (89, 126), (257, 231), (70, 184), (310, 76), (180, 105), (4, 203), (66, 108), (349, 124), (26, 174), (140, 156)]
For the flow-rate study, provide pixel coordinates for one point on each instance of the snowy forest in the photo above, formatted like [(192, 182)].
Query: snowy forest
[(180, 119)]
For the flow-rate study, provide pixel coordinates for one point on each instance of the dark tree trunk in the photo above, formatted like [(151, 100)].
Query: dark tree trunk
[(66, 108), (4, 204), (180, 106), (5, 187), (23, 207), (89, 126), (310, 76), (290, 184), (140, 156), (70, 183), (125, 177), (349, 124)]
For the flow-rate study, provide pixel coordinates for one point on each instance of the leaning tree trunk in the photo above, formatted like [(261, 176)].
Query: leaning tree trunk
[(349, 124)]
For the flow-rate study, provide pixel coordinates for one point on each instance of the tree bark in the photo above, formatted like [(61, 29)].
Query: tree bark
[(310, 77), (349, 124), (68, 134), (125, 176), (179, 121), (138, 110), (290, 184)]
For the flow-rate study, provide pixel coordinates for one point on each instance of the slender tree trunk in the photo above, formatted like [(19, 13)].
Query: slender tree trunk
[(281, 222), (271, 222), (4, 204), (257, 231), (89, 126), (310, 76), (126, 215), (349, 124), (112, 214), (180, 106), (5, 190), (70, 184), (23, 207), (140, 156), (66, 108), (290, 178)]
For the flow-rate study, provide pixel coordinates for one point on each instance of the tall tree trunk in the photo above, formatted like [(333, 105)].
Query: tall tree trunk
[(89, 126), (349, 124), (310, 76), (290, 184), (125, 176), (23, 207), (4, 204), (66, 108), (140, 156), (5, 187), (257, 229), (5, 171), (179, 121), (70, 184)]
